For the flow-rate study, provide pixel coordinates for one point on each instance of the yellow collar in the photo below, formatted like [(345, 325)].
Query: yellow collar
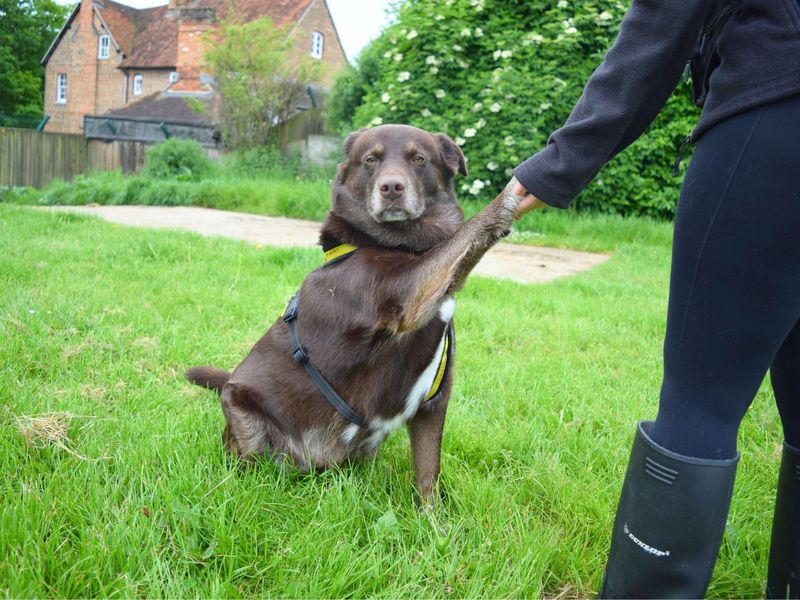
[(338, 252)]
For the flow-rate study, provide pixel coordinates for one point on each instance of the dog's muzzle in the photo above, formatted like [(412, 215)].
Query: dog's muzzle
[(394, 215)]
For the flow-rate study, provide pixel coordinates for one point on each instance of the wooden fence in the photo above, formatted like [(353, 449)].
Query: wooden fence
[(33, 158), (299, 127)]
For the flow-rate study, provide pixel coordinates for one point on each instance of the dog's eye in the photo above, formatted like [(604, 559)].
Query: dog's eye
[(418, 159), (371, 160)]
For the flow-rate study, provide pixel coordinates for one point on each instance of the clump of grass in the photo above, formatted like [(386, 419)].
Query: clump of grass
[(49, 429)]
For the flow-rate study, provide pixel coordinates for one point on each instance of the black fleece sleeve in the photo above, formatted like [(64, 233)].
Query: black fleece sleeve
[(621, 98)]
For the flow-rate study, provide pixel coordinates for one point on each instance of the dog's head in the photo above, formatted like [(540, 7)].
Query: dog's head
[(394, 175)]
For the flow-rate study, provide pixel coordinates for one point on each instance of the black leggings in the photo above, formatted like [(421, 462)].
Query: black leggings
[(734, 299)]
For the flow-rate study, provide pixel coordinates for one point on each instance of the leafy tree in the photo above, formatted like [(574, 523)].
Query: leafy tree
[(499, 76), (350, 88), (259, 78), (27, 28)]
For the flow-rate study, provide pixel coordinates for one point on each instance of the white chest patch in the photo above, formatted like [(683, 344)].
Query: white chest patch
[(383, 427)]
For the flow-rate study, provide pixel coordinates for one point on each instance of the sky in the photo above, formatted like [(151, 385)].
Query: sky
[(357, 21)]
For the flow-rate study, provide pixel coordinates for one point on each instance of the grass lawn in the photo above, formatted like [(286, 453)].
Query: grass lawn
[(135, 497)]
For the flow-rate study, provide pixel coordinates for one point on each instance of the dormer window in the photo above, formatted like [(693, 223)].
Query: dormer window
[(317, 44), (103, 46), (137, 85)]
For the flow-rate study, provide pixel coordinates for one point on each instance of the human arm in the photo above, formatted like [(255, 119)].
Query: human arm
[(620, 100)]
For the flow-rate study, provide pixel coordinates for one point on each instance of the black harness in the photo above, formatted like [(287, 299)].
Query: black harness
[(301, 357)]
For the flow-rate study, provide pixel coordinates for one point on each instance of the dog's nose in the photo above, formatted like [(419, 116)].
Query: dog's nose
[(392, 188)]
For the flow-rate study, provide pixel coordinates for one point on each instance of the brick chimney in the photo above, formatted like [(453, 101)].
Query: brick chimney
[(82, 74), (176, 4), (193, 23)]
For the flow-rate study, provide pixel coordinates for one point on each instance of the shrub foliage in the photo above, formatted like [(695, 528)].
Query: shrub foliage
[(180, 159), (499, 76)]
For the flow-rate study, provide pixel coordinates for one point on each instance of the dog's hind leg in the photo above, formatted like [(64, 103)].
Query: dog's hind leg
[(246, 433)]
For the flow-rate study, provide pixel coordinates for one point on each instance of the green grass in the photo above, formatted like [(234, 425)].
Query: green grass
[(282, 194), (100, 321)]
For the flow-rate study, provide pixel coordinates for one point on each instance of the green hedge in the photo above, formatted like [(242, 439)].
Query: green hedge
[(499, 76), (181, 159)]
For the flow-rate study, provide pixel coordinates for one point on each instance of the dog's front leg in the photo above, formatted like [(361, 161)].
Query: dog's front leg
[(496, 220), (444, 269), (425, 431)]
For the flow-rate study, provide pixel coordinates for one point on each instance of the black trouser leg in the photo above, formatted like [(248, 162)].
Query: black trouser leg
[(785, 376), (734, 299), (735, 282), (783, 573)]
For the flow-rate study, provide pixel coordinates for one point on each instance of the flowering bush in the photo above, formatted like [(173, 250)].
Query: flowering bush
[(499, 76)]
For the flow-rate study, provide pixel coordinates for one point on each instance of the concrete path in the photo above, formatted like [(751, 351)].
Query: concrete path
[(524, 264)]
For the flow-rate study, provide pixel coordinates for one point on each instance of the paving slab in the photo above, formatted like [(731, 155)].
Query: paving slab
[(517, 262)]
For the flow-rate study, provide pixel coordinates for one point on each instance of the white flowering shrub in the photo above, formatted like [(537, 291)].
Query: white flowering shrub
[(499, 76)]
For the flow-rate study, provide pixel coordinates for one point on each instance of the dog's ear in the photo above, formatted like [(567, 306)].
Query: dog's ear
[(453, 156), (342, 171), (351, 140)]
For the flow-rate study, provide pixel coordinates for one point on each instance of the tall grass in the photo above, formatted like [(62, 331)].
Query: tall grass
[(261, 181)]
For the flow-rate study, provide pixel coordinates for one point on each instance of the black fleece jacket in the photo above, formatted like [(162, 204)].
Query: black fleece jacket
[(759, 48)]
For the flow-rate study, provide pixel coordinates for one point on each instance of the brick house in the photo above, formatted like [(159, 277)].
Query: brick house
[(109, 58)]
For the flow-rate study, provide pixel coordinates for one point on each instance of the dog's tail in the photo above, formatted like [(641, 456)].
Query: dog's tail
[(208, 377)]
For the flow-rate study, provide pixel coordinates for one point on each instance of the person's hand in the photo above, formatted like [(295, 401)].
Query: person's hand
[(529, 201)]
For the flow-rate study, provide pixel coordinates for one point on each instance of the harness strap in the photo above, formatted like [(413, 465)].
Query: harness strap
[(301, 357), (444, 365)]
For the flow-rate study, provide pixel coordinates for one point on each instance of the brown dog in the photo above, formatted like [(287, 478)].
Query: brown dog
[(376, 323)]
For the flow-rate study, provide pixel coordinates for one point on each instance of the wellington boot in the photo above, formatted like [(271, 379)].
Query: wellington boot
[(783, 572), (669, 523)]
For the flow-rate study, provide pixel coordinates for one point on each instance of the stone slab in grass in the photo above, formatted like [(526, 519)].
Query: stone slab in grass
[(524, 264)]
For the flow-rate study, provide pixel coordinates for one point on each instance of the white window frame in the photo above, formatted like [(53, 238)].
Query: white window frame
[(104, 47), (138, 81), (61, 88), (317, 44), (173, 77)]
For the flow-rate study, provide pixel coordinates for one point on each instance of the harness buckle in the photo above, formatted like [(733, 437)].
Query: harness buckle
[(290, 314), (300, 356)]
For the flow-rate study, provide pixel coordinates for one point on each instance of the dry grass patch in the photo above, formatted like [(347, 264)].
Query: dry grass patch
[(50, 429)]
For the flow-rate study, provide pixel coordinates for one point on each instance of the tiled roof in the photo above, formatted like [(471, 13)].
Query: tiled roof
[(156, 41), (121, 21), (158, 107), (281, 11), (191, 85), (149, 37)]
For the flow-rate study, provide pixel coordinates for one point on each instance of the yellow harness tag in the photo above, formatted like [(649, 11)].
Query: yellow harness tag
[(437, 381), (338, 252)]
